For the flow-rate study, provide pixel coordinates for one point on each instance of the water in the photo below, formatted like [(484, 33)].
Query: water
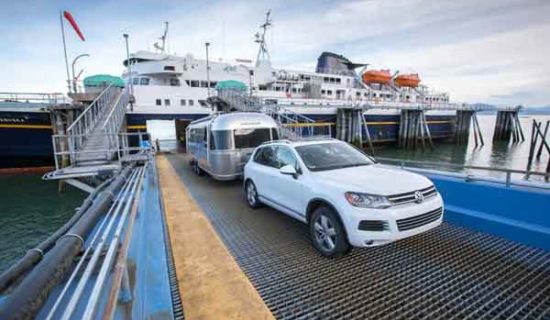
[(31, 210), (495, 155)]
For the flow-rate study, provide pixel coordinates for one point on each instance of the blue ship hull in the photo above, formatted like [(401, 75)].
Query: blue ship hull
[(25, 137)]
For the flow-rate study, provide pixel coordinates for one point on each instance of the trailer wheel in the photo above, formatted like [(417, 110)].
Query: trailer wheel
[(197, 169)]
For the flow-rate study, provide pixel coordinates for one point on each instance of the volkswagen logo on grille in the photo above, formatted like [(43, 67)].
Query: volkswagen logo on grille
[(418, 197)]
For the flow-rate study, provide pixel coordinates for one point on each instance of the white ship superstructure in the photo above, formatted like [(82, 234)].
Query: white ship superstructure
[(169, 84)]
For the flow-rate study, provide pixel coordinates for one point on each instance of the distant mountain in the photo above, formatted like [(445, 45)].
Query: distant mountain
[(536, 110)]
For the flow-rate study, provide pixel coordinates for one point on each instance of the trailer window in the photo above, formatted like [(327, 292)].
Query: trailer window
[(220, 140), (251, 138)]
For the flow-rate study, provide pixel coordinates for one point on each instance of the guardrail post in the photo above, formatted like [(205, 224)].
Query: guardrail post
[(508, 178)]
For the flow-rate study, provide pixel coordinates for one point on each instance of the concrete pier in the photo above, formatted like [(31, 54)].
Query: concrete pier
[(211, 283)]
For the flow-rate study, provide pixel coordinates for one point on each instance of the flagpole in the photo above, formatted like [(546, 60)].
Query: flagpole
[(65, 51)]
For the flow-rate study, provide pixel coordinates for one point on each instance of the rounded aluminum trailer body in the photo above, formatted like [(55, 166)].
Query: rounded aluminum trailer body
[(221, 144)]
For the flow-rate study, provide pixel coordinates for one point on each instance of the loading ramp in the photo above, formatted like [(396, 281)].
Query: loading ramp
[(448, 273)]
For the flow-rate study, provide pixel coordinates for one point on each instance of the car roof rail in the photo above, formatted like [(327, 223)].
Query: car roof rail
[(277, 141)]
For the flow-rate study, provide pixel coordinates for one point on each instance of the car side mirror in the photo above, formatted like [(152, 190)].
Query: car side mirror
[(289, 170)]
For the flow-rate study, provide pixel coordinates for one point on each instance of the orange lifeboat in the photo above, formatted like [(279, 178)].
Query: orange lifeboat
[(407, 80), (377, 76)]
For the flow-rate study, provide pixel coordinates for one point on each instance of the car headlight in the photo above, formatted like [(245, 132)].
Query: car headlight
[(367, 200)]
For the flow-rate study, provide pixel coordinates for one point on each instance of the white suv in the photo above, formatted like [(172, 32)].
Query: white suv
[(344, 196)]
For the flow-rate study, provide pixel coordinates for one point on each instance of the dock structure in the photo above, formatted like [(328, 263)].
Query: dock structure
[(534, 153), (211, 283), (413, 130), (466, 119), (507, 126), (90, 137), (450, 272)]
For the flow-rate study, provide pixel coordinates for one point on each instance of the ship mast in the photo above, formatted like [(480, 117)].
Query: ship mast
[(263, 53), (162, 46)]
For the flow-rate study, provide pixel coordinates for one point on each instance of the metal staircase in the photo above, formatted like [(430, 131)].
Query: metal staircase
[(94, 143), (292, 124)]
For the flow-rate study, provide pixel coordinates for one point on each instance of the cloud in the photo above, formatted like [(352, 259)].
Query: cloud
[(491, 51)]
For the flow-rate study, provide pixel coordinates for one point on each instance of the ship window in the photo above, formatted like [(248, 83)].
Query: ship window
[(166, 102), (191, 103), (135, 81), (183, 102), (203, 103), (213, 84), (174, 82), (294, 90), (169, 68), (262, 87), (204, 84), (329, 92), (323, 91), (144, 81), (187, 82), (194, 83), (338, 80), (358, 94), (158, 102)]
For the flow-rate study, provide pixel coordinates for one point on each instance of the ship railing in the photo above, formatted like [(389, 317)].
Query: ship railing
[(507, 177), (88, 120), (33, 97), (124, 146)]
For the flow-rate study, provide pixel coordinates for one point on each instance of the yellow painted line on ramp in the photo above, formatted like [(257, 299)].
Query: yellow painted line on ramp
[(212, 285)]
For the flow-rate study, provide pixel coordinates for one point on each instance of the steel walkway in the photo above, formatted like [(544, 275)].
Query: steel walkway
[(448, 273)]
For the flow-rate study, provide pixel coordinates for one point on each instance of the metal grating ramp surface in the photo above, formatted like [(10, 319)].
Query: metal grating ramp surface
[(448, 273)]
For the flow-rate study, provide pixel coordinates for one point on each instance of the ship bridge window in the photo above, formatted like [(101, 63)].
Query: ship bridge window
[(174, 82), (262, 87), (338, 80), (194, 83), (169, 68), (158, 102), (204, 84), (144, 81), (213, 84)]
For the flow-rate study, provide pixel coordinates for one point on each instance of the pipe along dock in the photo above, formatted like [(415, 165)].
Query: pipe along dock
[(173, 245)]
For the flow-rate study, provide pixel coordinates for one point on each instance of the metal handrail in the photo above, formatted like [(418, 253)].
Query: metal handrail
[(403, 163), (53, 97), (93, 104)]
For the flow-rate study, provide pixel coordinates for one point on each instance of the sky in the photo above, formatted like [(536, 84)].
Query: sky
[(490, 51)]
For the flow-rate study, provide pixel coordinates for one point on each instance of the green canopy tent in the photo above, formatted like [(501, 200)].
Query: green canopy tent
[(231, 85), (103, 80)]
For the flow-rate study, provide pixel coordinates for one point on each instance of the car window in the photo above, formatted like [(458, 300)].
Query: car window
[(330, 156), (286, 157), (266, 156)]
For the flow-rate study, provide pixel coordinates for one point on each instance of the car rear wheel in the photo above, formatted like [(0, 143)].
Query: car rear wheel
[(327, 233), (252, 195)]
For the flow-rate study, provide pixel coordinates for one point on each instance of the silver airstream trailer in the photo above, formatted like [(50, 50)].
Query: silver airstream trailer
[(222, 143)]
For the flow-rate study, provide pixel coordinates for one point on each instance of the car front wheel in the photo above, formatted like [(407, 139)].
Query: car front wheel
[(252, 195), (327, 233)]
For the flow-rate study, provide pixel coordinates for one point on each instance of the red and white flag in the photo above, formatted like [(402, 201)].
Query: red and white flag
[(71, 20)]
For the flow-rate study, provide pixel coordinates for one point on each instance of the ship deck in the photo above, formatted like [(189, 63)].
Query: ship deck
[(265, 259)]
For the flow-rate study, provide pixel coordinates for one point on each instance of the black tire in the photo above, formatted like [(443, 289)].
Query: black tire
[(197, 169), (327, 233), (251, 194)]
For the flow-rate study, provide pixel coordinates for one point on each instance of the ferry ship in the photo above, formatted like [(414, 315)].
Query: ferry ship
[(171, 87)]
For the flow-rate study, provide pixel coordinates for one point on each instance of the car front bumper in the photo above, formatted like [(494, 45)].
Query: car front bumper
[(414, 218)]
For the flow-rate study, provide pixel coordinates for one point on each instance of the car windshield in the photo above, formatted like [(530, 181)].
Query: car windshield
[(330, 156)]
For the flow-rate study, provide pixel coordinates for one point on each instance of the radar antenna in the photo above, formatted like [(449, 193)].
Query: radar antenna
[(263, 53), (161, 47)]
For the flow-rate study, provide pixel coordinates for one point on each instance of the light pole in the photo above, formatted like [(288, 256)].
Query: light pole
[(129, 68), (207, 44), (72, 68)]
